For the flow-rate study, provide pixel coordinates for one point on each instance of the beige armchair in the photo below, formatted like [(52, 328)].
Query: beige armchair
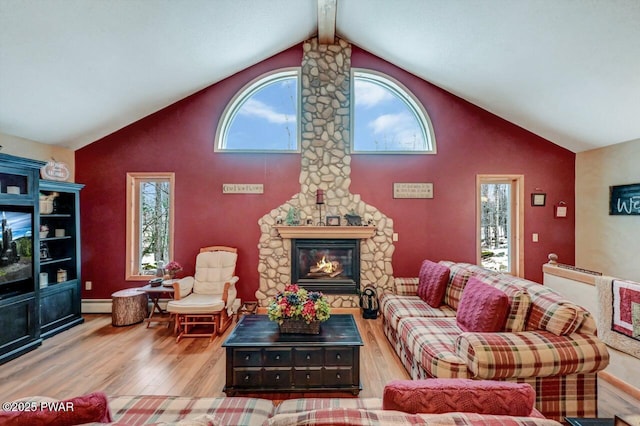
[(205, 301)]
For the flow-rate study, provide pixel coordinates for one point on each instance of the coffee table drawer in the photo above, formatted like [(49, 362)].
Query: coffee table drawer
[(307, 377), (277, 378), (247, 377), (337, 377), (338, 356), (277, 357), (247, 357), (308, 357)]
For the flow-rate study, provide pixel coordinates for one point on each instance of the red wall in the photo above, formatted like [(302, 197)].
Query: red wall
[(180, 138)]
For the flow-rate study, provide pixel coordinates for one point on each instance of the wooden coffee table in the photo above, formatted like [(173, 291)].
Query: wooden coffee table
[(260, 359)]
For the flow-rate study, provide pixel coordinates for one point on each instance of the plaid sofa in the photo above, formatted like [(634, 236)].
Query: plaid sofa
[(547, 341), (239, 411)]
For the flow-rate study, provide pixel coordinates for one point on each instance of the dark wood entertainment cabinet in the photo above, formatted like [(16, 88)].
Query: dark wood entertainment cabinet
[(30, 308), (260, 359)]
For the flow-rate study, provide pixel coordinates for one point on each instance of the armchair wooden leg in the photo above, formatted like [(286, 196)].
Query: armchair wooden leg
[(189, 325), (224, 321)]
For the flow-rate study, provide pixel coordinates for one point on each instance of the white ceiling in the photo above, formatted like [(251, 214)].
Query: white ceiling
[(73, 71)]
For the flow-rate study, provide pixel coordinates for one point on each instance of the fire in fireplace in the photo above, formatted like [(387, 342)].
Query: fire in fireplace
[(331, 266)]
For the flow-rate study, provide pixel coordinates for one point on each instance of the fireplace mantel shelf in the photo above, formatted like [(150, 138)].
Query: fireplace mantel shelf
[(344, 232)]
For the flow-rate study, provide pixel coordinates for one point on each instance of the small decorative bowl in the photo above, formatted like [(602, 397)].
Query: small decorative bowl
[(43, 234)]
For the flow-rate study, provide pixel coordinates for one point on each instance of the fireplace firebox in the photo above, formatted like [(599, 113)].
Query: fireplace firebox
[(331, 266)]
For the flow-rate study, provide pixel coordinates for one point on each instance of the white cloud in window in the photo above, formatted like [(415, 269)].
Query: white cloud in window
[(398, 131), (255, 108), (369, 94), (390, 123)]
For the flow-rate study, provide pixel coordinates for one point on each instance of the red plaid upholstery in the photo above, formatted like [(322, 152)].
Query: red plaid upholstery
[(530, 354), (143, 410), (307, 404), (478, 271), (407, 286), (458, 277), (434, 340), (558, 397), (354, 417), (552, 312), (410, 306)]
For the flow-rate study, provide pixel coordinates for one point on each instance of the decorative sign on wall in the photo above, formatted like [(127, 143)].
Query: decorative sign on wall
[(55, 170), (624, 200), (243, 188), (412, 190)]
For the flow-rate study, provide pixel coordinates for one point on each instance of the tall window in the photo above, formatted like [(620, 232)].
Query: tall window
[(387, 118), (150, 215), (500, 228), (263, 116)]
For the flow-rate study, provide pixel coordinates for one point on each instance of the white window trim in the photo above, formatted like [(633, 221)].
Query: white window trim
[(247, 92), (407, 96), (132, 227)]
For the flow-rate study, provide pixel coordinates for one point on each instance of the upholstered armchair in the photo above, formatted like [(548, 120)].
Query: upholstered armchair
[(203, 304)]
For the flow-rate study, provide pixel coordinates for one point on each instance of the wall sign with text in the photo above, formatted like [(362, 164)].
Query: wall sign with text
[(412, 190), (624, 200), (242, 188), (55, 170)]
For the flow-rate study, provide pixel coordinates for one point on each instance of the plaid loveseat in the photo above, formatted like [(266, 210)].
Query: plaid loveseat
[(239, 411), (547, 341)]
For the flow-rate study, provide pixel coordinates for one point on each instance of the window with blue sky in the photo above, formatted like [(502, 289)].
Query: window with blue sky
[(263, 116), (387, 117)]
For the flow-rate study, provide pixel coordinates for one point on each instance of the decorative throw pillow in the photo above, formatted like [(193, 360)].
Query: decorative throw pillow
[(83, 409), (483, 308), (432, 284), (465, 395)]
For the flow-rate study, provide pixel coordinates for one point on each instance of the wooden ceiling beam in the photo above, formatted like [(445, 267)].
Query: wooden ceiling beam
[(327, 21)]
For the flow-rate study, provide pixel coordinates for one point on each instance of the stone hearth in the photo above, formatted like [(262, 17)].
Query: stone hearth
[(326, 165)]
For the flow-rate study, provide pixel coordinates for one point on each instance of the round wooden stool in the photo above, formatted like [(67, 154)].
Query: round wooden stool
[(129, 306)]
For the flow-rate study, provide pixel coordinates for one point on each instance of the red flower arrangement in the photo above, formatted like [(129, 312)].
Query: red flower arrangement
[(296, 302)]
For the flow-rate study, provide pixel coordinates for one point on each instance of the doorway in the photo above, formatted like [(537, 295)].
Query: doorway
[(500, 228)]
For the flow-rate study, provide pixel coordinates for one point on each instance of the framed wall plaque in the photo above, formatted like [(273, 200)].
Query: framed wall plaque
[(538, 199)]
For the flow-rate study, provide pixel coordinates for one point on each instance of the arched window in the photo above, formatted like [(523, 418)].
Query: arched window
[(263, 116), (387, 118)]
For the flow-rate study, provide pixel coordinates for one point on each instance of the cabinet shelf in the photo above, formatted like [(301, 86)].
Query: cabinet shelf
[(55, 215), (66, 237), (52, 261)]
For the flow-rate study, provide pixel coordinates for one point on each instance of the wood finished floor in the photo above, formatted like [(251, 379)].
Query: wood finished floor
[(135, 360), (138, 360)]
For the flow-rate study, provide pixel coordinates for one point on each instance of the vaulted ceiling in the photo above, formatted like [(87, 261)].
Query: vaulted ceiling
[(72, 71)]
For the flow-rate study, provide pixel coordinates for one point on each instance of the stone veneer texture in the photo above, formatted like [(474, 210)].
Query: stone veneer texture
[(326, 165)]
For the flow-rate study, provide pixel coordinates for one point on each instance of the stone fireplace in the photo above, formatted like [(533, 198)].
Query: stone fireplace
[(326, 165)]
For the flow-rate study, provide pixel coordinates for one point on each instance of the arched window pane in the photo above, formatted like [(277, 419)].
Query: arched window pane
[(263, 116), (387, 118)]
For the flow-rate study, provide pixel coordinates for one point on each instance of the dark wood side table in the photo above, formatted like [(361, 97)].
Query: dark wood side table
[(155, 293), (260, 359), (247, 308)]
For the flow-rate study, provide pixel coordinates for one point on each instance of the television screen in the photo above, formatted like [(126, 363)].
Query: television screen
[(16, 245)]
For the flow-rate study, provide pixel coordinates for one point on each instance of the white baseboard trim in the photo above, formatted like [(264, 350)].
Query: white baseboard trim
[(96, 306)]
